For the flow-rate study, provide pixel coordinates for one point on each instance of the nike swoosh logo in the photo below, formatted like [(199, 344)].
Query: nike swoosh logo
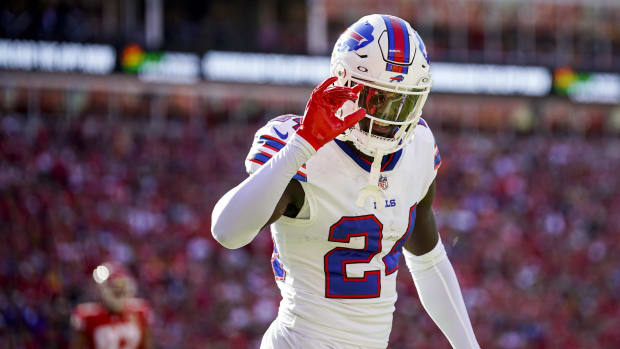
[(283, 136)]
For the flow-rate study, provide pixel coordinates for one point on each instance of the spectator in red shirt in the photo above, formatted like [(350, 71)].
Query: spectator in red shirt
[(118, 320)]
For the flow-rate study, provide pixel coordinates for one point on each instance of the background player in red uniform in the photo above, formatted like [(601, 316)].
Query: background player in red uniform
[(118, 320)]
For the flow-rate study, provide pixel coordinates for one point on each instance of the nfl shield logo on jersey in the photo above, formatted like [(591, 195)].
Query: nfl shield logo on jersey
[(383, 182)]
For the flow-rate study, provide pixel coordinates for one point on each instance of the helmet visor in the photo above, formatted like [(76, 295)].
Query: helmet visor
[(386, 105)]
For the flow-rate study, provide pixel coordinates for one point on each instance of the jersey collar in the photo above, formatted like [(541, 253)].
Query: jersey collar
[(388, 162)]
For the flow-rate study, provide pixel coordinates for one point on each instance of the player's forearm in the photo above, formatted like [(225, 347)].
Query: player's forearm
[(241, 213), (441, 296)]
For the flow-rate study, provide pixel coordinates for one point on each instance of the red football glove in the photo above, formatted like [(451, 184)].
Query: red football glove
[(320, 124)]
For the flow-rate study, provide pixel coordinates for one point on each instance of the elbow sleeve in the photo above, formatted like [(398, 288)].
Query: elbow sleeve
[(441, 296), (240, 214), (221, 229)]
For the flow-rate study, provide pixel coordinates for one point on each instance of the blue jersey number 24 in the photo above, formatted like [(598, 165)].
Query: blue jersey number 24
[(337, 283)]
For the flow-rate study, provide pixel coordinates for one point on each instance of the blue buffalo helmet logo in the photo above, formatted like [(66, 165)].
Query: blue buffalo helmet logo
[(397, 78), (356, 37)]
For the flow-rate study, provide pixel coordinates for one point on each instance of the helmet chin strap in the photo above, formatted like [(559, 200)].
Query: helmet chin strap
[(372, 188)]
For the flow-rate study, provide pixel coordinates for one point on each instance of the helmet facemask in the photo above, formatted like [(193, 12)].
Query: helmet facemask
[(385, 108)]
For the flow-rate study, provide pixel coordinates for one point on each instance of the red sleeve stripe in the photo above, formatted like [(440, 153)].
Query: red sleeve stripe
[(273, 139), (266, 154)]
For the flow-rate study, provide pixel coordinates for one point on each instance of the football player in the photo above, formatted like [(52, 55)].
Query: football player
[(119, 320), (347, 189)]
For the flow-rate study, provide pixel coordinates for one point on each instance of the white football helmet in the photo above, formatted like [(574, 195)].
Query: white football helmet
[(388, 57)]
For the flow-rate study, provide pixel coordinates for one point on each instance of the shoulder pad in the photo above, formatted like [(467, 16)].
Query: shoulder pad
[(82, 313), (427, 153), (423, 132), (270, 139), (88, 309), (424, 139)]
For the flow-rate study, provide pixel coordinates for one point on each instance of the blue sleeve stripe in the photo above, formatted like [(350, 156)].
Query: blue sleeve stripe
[(256, 161), (276, 264), (300, 177), (272, 143), (261, 157), (437, 160)]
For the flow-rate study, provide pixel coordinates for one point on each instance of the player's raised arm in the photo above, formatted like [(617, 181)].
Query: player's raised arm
[(240, 214), (435, 279)]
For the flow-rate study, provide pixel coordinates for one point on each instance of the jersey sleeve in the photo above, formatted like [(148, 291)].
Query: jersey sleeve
[(430, 155), (270, 139), (81, 314)]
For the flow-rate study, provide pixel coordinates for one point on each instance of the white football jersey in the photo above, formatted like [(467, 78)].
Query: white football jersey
[(336, 263)]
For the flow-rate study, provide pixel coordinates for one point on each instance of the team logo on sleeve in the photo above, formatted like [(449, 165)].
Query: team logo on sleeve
[(356, 37)]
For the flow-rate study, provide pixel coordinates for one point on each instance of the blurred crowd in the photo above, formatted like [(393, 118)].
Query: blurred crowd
[(581, 34), (528, 200), (530, 223)]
